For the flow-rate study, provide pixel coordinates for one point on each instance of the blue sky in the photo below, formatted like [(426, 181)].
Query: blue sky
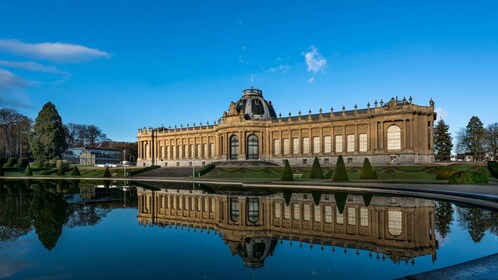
[(122, 65)]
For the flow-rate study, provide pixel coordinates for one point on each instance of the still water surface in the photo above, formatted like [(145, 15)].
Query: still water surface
[(82, 230)]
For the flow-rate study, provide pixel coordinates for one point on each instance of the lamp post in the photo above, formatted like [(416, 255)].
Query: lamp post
[(124, 164)]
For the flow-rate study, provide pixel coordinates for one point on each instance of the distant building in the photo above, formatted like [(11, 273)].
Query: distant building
[(397, 131), (87, 156)]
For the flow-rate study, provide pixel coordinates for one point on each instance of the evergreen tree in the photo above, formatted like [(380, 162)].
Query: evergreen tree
[(340, 172), (442, 141), (367, 171), (443, 218), (48, 140), (28, 171), (316, 170), (472, 138), (75, 171), (287, 173), (107, 173), (60, 171)]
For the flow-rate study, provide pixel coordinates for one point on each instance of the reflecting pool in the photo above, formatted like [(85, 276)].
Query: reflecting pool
[(78, 229)]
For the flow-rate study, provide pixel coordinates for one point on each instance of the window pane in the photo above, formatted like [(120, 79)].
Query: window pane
[(339, 218), (318, 214), (306, 145), (328, 214), (350, 139), (297, 213), (364, 217), (327, 142), (338, 144), (295, 146), (351, 216), (316, 145), (395, 222), (394, 138), (306, 212)]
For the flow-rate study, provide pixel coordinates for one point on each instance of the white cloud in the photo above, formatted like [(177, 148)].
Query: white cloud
[(59, 52), (314, 61), (9, 80), (32, 66), (441, 114), (283, 68)]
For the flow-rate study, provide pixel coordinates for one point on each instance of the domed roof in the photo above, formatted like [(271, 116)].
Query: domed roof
[(254, 106)]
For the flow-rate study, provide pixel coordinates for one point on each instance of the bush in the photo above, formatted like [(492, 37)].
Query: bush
[(468, 178), (107, 173), (139, 171), (75, 171), (28, 171), (287, 172), (60, 171), (24, 162), (327, 175), (340, 172), (367, 171), (444, 173), (493, 168), (316, 170), (10, 162), (48, 172), (206, 169)]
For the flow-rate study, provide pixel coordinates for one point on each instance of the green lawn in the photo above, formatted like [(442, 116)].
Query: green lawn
[(85, 171)]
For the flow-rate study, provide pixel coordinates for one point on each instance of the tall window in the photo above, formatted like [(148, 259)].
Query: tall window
[(252, 147), (327, 144), (287, 212), (338, 144), (199, 151), (328, 214), (276, 147), (212, 150), (286, 146), (351, 216), (234, 209), (364, 217), (306, 212), (278, 210), (295, 146), (297, 212), (306, 145), (253, 210), (395, 219), (316, 145), (339, 217), (192, 150), (234, 147), (206, 150), (318, 213), (350, 139), (363, 142), (394, 138)]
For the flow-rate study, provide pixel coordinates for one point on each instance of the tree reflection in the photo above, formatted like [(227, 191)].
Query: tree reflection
[(14, 221), (443, 218), (86, 215), (476, 221), (48, 211)]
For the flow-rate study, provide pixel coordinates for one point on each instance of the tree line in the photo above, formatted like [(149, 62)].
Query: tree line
[(475, 139), (48, 138)]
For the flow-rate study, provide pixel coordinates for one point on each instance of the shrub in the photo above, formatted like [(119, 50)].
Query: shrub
[(493, 168), (75, 171), (10, 162), (48, 172), (206, 169), (60, 171), (24, 162), (107, 173), (444, 173), (287, 172), (340, 172), (327, 175), (367, 171), (28, 171), (340, 201), (316, 170), (468, 177)]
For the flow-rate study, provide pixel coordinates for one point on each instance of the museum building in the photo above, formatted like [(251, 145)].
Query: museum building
[(394, 132)]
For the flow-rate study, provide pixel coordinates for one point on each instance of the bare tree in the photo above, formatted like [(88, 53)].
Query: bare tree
[(13, 132), (492, 140)]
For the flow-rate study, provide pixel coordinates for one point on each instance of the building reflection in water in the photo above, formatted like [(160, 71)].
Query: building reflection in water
[(399, 228)]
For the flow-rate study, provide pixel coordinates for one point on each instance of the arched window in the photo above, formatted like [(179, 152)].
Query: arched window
[(252, 147), (395, 225), (234, 147), (394, 138), (234, 209), (253, 209)]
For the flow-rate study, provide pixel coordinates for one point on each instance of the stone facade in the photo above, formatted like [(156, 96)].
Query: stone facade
[(395, 132), (399, 228)]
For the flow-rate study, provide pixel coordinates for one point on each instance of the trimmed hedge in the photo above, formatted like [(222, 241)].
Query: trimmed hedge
[(493, 168), (28, 171), (48, 172), (340, 172), (367, 171), (139, 171), (206, 169), (107, 173), (468, 178), (10, 162), (60, 170), (444, 173), (75, 171), (316, 170), (287, 172)]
